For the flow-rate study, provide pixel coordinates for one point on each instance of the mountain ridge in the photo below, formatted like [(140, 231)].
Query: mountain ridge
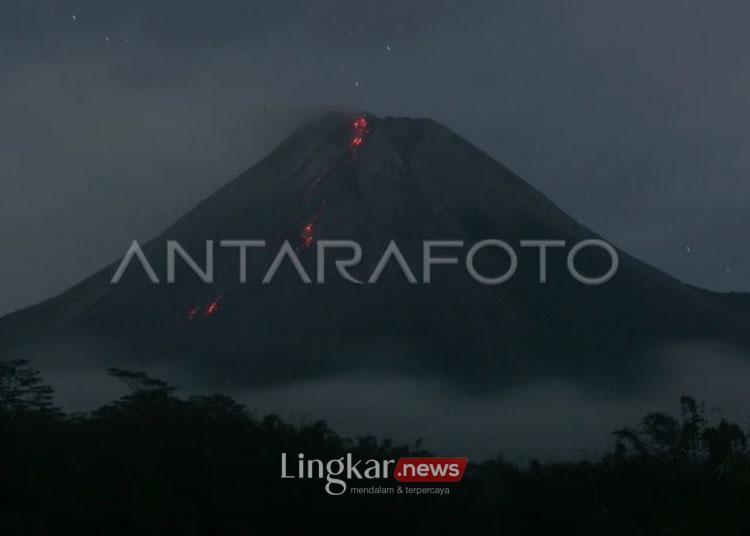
[(406, 178)]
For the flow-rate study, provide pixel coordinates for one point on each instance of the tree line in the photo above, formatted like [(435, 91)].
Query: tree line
[(152, 462)]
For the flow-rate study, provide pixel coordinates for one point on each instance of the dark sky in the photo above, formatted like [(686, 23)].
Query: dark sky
[(117, 117)]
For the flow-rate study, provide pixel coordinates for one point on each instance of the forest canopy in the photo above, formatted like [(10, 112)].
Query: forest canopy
[(152, 462)]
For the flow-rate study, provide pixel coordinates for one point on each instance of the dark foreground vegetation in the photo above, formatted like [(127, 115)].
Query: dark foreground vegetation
[(153, 463)]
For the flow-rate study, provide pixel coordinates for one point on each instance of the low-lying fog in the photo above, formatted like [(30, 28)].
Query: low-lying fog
[(549, 419)]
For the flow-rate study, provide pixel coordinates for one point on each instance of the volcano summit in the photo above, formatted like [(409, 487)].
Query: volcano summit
[(375, 182)]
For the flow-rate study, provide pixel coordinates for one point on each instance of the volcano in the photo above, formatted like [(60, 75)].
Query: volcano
[(375, 180)]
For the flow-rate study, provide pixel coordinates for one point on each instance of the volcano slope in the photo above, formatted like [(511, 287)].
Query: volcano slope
[(373, 180)]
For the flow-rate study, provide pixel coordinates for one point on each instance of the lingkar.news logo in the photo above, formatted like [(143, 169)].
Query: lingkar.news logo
[(338, 472)]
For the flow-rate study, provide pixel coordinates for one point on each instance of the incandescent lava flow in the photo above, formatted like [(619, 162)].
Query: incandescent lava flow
[(359, 128)]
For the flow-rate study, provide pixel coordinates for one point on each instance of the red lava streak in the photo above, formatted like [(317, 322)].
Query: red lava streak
[(212, 307), (360, 123), (359, 127), (308, 235), (192, 312)]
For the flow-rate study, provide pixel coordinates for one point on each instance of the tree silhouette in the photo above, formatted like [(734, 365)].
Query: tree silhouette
[(22, 389), (151, 462), (690, 439), (149, 398), (140, 381)]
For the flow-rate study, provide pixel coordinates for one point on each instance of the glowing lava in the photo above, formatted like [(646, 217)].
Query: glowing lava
[(209, 310), (359, 129), (213, 306), (360, 124), (308, 235)]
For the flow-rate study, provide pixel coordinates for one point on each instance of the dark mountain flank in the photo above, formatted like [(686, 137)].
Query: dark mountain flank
[(374, 180)]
